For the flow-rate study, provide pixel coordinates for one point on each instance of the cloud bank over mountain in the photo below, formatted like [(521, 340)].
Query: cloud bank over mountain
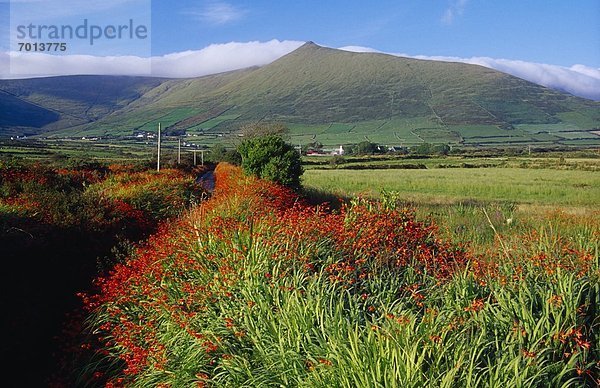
[(216, 58), (580, 80)]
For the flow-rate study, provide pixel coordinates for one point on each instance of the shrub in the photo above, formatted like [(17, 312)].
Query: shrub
[(336, 160), (271, 158), (365, 148), (219, 153)]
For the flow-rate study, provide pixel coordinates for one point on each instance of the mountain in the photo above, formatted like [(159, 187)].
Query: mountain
[(47, 104), (322, 94)]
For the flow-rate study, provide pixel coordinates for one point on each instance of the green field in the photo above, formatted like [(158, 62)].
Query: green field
[(210, 124), (533, 193), (526, 186), (99, 150)]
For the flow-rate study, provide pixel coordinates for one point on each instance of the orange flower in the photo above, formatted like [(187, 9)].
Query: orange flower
[(529, 354), (476, 305)]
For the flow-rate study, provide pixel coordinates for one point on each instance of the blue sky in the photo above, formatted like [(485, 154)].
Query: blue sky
[(556, 32), (554, 43)]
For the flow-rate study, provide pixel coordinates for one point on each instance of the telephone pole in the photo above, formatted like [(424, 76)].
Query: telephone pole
[(179, 151), (158, 154), (201, 156)]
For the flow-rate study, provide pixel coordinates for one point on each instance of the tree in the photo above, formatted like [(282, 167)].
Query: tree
[(365, 148), (314, 145), (270, 157), (218, 153), (441, 149), (336, 160), (422, 149), (430, 149)]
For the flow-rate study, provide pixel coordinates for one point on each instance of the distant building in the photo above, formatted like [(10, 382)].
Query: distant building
[(396, 149), (325, 152), (339, 151)]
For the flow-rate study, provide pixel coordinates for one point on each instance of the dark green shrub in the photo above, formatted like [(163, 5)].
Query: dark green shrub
[(270, 157)]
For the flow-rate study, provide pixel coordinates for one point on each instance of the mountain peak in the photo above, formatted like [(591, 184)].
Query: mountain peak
[(310, 45)]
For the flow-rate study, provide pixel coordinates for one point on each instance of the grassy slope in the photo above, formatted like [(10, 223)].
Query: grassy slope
[(72, 100), (18, 113), (343, 97), (337, 96), (169, 103)]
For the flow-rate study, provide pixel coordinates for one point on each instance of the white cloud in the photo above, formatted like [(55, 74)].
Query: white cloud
[(218, 58), (215, 58), (580, 80), (39, 65), (456, 9), (218, 13), (359, 49)]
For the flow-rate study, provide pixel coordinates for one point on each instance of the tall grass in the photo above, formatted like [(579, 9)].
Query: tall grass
[(254, 288)]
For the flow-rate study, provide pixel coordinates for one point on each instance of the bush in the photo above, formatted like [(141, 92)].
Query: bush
[(336, 160), (271, 158), (218, 153), (431, 149), (365, 148)]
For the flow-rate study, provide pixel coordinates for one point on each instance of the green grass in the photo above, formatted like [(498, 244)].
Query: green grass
[(437, 135), (396, 131), (468, 131), (552, 187), (588, 118), (122, 150), (578, 135), (582, 142), (210, 124)]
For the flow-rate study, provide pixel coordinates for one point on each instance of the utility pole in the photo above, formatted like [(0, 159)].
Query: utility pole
[(158, 154), (201, 156), (179, 151)]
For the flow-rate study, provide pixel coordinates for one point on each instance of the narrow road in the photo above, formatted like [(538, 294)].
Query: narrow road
[(207, 180)]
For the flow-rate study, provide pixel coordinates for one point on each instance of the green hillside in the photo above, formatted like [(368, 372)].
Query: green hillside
[(21, 117), (48, 104), (339, 97)]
